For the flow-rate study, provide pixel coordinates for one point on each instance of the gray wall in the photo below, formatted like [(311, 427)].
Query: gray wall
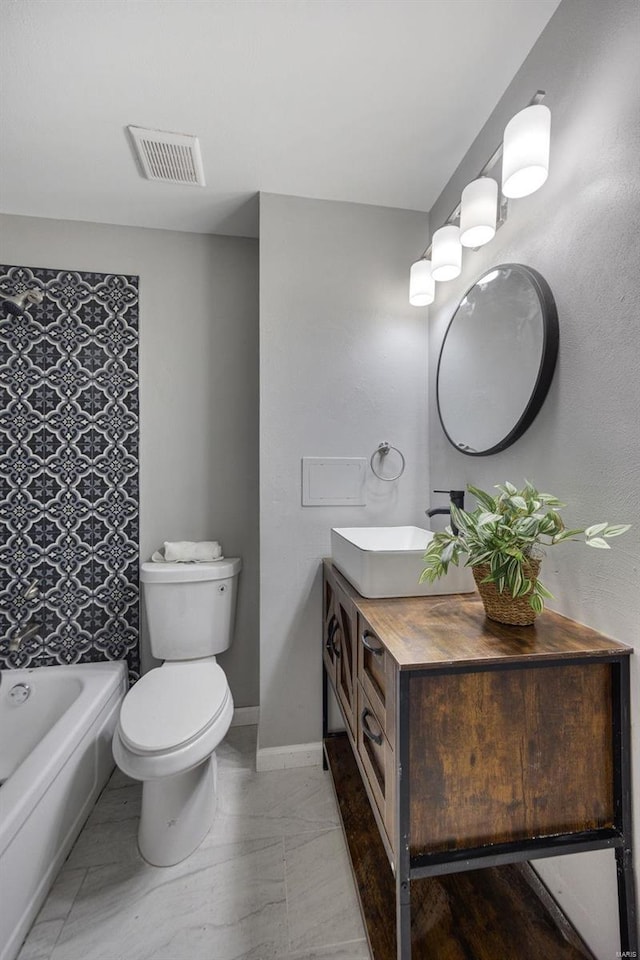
[(342, 368), (198, 389), (580, 232)]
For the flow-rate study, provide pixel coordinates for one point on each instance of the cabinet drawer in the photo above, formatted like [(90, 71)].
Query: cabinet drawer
[(377, 758), (377, 674)]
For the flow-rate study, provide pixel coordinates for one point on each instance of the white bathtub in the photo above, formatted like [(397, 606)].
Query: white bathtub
[(55, 753)]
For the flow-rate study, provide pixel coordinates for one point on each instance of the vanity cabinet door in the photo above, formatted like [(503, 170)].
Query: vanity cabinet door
[(340, 632), (344, 643), (329, 626)]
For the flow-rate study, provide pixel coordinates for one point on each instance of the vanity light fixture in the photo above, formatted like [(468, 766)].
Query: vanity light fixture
[(483, 207), (446, 255), (478, 212), (525, 157), (422, 287)]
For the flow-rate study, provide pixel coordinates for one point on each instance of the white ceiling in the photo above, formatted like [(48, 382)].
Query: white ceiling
[(372, 101)]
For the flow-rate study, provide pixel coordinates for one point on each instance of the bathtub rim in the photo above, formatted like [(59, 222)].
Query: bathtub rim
[(102, 683)]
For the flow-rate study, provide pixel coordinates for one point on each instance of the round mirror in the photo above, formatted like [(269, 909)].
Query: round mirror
[(497, 360)]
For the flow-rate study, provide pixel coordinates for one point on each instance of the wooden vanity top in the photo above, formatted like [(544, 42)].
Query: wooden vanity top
[(433, 632)]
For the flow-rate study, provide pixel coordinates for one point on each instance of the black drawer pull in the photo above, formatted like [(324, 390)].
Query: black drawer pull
[(376, 737), (366, 643)]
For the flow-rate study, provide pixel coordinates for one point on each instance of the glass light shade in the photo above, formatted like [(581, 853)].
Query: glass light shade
[(446, 253), (525, 155), (478, 212), (422, 288)]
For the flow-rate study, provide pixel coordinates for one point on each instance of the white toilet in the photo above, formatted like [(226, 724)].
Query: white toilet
[(173, 719)]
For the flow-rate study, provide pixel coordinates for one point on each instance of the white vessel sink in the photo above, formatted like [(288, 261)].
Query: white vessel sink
[(387, 562)]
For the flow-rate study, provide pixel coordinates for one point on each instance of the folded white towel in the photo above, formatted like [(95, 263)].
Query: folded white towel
[(188, 551)]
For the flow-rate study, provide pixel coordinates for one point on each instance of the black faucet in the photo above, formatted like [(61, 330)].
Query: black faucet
[(456, 497)]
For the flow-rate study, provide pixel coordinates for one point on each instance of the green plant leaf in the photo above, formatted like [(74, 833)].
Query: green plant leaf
[(516, 580), (550, 500), (514, 552), (567, 535), (551, 524), (542, 590), (599, 543), (447, 552), (479, 558), (430, 575), (485, 518), (615, 529), (462, 520), (484, 499), (535, 602), (595, 529), (527, 526), (525, 588)]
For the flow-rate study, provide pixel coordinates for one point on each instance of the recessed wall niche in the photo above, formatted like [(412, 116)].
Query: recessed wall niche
[(69, 466)]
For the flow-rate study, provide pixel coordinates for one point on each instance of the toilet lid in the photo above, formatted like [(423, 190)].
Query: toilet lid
[(172, 705)]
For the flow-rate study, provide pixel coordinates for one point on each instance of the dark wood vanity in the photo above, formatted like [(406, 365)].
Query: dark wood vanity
[(478, 745)]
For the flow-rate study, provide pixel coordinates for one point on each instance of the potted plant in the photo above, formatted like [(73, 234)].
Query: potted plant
[(503, 540)]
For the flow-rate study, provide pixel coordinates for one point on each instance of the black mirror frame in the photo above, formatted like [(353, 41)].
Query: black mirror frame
[(550, 341)]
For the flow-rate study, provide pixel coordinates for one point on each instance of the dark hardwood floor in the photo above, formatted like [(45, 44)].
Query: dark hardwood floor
[(490, 914)]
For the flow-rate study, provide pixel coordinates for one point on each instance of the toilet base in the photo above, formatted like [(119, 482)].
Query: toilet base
[(177, 813)]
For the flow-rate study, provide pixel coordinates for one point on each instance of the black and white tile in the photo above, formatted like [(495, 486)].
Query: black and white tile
[(69, 466)]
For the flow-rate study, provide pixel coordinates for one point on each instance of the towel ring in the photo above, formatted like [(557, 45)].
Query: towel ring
[(382, 450)]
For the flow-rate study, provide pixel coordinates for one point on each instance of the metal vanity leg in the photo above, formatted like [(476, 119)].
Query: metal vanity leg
[(403, 847), (624, 854), (325, 713), (627, 902)]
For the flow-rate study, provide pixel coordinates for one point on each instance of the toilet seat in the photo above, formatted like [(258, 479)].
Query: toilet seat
[(172, 706)]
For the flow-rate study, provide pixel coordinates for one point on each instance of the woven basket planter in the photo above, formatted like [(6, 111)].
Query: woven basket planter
[(502, 606)]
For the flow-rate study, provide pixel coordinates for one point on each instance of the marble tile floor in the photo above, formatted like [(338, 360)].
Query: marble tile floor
[(271, 881)]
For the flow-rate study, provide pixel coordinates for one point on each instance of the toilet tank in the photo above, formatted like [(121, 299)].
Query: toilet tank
[(190, 607)]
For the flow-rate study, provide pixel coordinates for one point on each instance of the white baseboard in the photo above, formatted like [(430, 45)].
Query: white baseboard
[(245, 716), (295, 755)]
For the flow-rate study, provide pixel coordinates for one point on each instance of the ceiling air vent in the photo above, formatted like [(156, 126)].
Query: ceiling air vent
[(170, 157)]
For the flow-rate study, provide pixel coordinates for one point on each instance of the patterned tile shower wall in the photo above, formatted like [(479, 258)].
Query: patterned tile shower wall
[(68, 467)]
